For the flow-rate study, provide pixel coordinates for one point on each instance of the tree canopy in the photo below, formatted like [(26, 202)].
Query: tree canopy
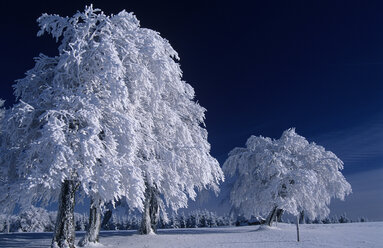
[(110, 112), (288, 173)]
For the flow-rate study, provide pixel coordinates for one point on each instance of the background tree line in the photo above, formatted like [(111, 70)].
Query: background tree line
[(40, 220)]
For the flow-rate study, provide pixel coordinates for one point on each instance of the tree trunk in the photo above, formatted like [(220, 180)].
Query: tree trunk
[(279, 214), (302, 217), (154, 210), (150, 215), (94, 226), (298, 228), (108, 213), (106, 218), (271, 217), (8, 225), (64, 234), (276, 219)]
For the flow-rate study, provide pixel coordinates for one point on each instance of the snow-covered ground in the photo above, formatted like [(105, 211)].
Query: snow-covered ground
[(369, 234)]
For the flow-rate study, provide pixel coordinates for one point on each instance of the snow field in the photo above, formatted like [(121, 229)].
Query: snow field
[(368, 234)]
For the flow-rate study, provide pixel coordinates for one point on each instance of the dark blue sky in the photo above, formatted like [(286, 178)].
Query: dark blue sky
[(259, 67)]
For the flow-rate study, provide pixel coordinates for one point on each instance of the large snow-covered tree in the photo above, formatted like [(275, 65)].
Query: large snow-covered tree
[(74, 126), (109, 117), (174, 153), (287, 174)]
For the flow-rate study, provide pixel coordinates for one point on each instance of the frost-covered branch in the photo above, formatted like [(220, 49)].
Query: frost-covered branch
[(288, 173)]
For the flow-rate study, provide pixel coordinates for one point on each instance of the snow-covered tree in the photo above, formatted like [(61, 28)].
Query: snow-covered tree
[(110, 117), (174, 221), (174, 153), (344, 219), (289, 173), (212, 220), (35, 220), (81, 222), (204, 216), (182, 220), (194, 220), (74, 126)]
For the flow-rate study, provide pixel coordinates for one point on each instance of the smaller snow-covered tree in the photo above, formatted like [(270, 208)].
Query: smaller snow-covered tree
[(324, 221), (114, 222), (362, 219), (193, 220), (182, 220), (81, 222), (174, 221), (203, 220), (212, 220), (124, 223), (135, 222), (35, 220), (288, 173), (344, 219)]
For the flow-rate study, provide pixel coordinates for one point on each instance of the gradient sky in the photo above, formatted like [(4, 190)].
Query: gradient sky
[(258, 67)]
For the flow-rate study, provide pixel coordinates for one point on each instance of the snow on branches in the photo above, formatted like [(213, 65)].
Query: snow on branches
[(109, 112), (288, 173)]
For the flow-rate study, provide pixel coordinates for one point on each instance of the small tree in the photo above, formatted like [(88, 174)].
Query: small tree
[(204, 218), (174, 221), (288, 173), (183, 220), (344, 219), (213, 219)]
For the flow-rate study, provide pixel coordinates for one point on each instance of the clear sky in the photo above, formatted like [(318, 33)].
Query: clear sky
[(258, 67)]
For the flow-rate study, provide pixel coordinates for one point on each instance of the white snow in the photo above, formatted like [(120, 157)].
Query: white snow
[(111, 112), (288, 173), (368, 234)]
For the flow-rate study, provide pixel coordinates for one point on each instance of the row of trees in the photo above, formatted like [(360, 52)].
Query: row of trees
[(194, 219), (36, 219), (110, 119), (40, 220), (335, 219), (197, 218)]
